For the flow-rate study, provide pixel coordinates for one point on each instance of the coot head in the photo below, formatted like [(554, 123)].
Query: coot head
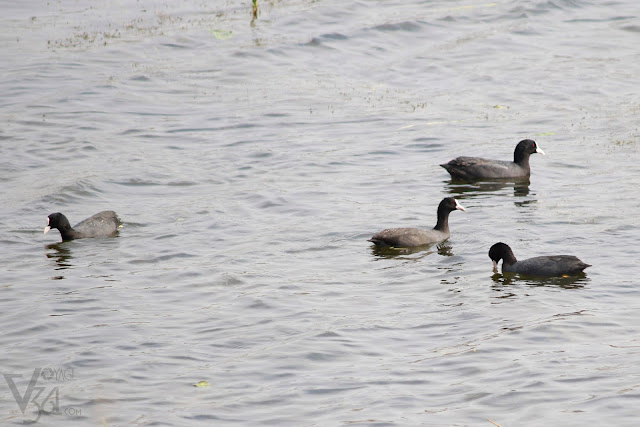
[(525, 148), (501, 251), (57, 220), (450, 204)]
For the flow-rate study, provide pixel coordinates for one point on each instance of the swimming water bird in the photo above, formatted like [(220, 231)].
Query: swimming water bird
[(477, 168), (554, 265), (102, 224), (413, 237)]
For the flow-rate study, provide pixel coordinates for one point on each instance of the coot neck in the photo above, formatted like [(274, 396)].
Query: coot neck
[(443, 219), (508, 257), (521, 158), (66, 231)]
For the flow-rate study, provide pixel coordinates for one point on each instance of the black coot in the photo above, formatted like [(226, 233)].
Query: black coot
[(554, 265), (102, 224), (412, 237), (471, 168)]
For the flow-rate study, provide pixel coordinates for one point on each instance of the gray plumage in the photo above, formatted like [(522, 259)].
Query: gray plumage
[(553, 265), (412, 237), (470, 168), (102, 224)]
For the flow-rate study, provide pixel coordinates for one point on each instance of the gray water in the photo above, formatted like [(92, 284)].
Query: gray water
[(250, 162)]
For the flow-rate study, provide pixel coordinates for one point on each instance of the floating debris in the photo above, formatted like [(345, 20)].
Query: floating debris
[(221, 34), (202, 384)]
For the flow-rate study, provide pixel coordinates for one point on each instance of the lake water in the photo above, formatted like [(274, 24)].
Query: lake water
[(250, 163)]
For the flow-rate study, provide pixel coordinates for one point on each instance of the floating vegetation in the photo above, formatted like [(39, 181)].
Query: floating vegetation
[(83, 39), (624, 142), (630, 141), (221, 34), (149, 24), (202, 384)]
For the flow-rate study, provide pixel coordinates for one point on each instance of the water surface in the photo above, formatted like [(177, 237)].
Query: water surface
[(251, 162)]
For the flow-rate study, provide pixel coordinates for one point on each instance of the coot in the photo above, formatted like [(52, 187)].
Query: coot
[(412, 237), (470, 168), (105, 223), (554, 265)]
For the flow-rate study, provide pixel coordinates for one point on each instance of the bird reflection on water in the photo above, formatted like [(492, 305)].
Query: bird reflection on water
[(457, 187), (60, 253), (501, 280), (442, 248)]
